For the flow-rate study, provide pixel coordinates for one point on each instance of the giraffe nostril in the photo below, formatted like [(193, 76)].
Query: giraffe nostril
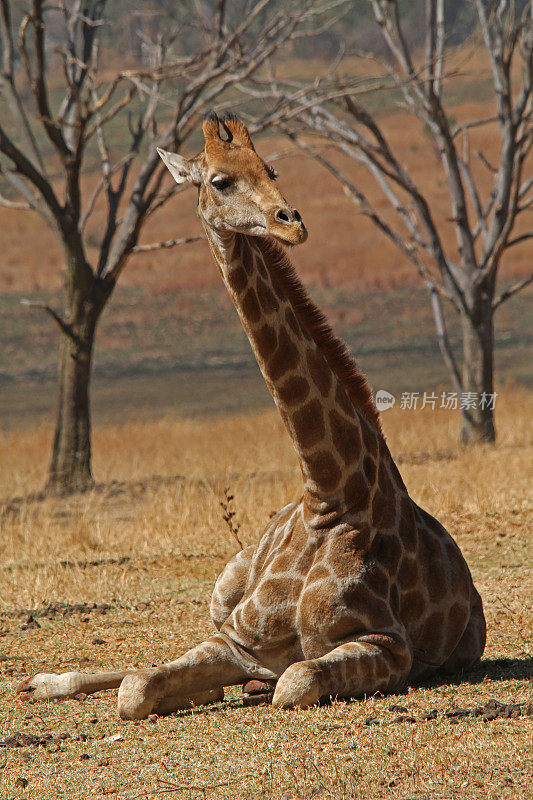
[(282, 215)]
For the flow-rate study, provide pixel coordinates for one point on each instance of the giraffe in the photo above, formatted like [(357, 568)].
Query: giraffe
[(351, 590)]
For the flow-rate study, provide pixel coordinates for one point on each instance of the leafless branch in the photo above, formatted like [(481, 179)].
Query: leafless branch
[(146, 248), (517, 287), (444, 343), (63, 325)]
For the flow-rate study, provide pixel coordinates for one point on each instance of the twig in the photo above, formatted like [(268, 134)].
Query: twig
[(146, 248), (517, 287), (64, 326), (229, 514), (169, 787)]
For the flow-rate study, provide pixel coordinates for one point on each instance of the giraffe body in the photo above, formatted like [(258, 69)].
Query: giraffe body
[(352, 590)]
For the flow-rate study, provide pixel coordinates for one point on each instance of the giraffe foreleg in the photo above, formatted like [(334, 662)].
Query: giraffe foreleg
[(215, 663), (50, 686), (375, 662)]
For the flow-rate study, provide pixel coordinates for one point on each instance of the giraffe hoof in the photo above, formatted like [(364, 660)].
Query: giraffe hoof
[(48, 686), (298, 687), (137, 696)]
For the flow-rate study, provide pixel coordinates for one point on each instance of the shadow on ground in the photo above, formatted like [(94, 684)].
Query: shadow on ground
[(494, 669)]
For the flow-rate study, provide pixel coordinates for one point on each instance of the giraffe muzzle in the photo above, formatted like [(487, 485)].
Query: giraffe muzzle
[(288, 226)]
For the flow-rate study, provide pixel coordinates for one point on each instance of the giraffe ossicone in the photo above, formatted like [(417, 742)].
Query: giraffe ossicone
[(352, 590)]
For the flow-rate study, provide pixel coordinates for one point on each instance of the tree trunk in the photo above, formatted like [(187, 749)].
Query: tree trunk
[(478, 372), (70, 467)]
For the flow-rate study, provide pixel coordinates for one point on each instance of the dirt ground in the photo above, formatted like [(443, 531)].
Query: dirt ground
[(122, 576)]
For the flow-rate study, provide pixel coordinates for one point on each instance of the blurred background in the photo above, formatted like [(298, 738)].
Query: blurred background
[(165, 339)]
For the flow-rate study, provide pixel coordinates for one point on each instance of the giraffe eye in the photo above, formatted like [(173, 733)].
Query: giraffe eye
[(221, 182)]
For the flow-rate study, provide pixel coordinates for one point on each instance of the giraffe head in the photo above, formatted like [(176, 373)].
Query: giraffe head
[(236, 187)]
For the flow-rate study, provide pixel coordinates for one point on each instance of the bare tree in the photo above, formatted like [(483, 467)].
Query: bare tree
[(44, 146), (484, 224)]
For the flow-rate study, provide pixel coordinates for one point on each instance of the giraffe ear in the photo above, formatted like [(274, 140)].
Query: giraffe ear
[(183, 169)]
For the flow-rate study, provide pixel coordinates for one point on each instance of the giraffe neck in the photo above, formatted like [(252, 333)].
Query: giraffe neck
[(337, 446)]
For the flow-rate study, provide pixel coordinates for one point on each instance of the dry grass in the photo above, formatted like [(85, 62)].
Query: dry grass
[(146, 546)]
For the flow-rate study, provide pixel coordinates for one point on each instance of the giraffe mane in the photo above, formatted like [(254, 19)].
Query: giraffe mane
[(333, 349)]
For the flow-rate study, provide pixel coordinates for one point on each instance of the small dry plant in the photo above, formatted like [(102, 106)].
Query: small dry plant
[(229, 515)]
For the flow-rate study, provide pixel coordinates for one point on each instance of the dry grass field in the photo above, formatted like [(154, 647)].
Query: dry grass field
[(122, 576)]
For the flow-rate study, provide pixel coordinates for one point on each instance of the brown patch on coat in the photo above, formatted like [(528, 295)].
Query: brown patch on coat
[(413, 605), (237, 279), (308, 424), (265, 341), (430, 640), (370, 468), (373, 611), (285, 358), (273, 591), (247, 257), (346, 438), (383, 509), (356, 491), (293, 323), (386, 550), (266, 298), (293, 391), (436, 580), (324, 470), (408, 574), (250, 306), (319, 371), (370, 438), (407, 525)]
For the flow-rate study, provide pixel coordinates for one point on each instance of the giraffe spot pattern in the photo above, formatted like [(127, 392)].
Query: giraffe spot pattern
[(346, 438), (379, 581), (250, 306), (436, 575), (308, 424), (293, 391), (370, 437), (324, 470), (360, 597), (343, 401), (267, 300), (318, 572), (383, 509), (370, 469), (247, 258), (356, 490), (431, 633), (273, 591), (285, 358), (260, 264), (408, 574), (293, 323), (457, 620), (413, 605), (237, 279), (319, 371), (394, 599), (266, 341), (387, 551), (407, 526)]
